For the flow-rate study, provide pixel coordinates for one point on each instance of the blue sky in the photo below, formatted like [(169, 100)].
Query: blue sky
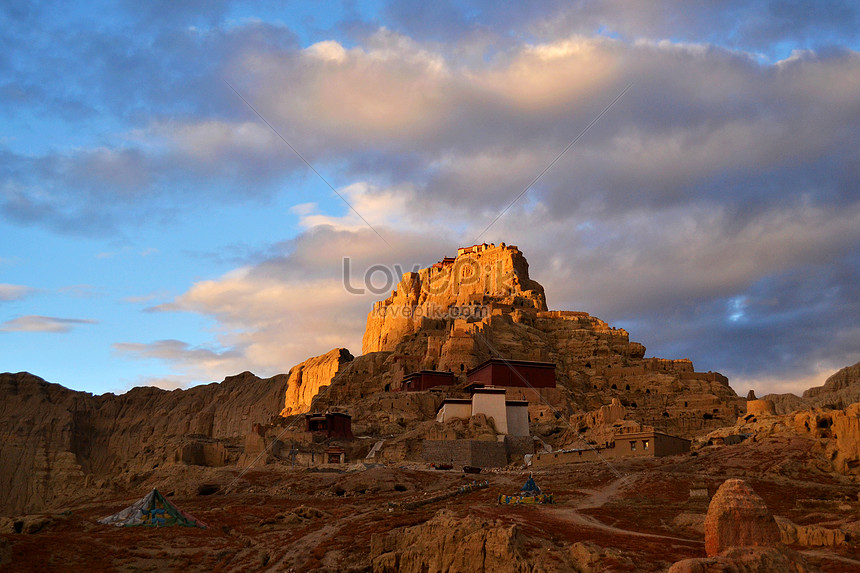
[(154, 231)]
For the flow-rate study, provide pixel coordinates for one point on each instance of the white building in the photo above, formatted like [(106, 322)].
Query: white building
[(511, 417)]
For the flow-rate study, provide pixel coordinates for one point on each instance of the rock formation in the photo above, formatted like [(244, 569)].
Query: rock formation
[(838, 391), (742, 535), (463, 285), (832, 433), (451, 543), (451, 316), (738, 517), (306, 379), (760, 408), (57, 440), (747, 560)]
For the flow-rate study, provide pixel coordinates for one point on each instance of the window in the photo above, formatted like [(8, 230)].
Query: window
[(644, 444), (633, 446)]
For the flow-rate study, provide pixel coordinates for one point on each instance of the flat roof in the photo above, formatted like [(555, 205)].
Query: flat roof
[(453, 401), (506, 362), (516, 402), (489, 390), (622, 436)]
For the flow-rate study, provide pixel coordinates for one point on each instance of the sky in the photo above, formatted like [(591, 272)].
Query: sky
[(181, 182)]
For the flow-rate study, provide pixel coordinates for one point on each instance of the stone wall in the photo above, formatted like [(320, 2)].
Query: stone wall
[(479, 453), (518, 446)]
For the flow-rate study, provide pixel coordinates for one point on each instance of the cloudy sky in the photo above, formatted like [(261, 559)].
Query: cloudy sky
[(155, 229)]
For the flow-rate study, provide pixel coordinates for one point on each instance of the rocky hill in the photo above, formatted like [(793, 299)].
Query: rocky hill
[(56, 440), (838, 391), (452, 316)]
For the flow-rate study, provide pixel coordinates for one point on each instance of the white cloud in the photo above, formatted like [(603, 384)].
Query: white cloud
[(37, 323), (9, 292), (713, 179)]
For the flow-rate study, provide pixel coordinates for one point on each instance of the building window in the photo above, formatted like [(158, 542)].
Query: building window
[(644, 444), (633, 446)]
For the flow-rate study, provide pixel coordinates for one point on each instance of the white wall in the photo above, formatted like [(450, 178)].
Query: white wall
[(451, 410), (492, 405)]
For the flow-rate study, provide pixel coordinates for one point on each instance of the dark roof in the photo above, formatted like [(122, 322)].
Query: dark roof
[(533, 364), (420, 372), (323, 416)]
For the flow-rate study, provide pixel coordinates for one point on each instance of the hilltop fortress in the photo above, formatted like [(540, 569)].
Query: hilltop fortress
[(482, 304)]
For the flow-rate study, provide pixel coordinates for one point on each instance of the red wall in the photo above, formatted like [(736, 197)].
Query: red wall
[(339, 426), (427, 380), (501, 374)]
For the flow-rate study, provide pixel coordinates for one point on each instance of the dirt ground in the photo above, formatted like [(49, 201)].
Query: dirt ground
[(283, 519)]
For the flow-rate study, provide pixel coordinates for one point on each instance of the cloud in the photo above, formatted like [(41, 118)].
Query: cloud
[(14, 292), (701, 123), (198, 363), (37, 323), (148, 297), (746, 302), (293, 305), (757, 25), (713, 210), (82, 291)]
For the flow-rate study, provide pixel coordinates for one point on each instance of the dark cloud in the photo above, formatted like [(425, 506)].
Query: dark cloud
[(758, 26), (788, 325), (699, 124)]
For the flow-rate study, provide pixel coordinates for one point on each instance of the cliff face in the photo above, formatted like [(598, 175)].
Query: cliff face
[(56, 440), (306, 379), (39, 436), (839, 390)]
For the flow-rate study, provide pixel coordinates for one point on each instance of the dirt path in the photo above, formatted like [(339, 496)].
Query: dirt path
[(572, 516), (597, 498)]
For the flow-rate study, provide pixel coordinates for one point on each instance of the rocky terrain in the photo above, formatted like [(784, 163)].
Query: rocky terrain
[(236, 455)]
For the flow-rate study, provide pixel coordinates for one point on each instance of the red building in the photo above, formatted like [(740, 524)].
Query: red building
[(426, 379), (333, 424), (513, 373)]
